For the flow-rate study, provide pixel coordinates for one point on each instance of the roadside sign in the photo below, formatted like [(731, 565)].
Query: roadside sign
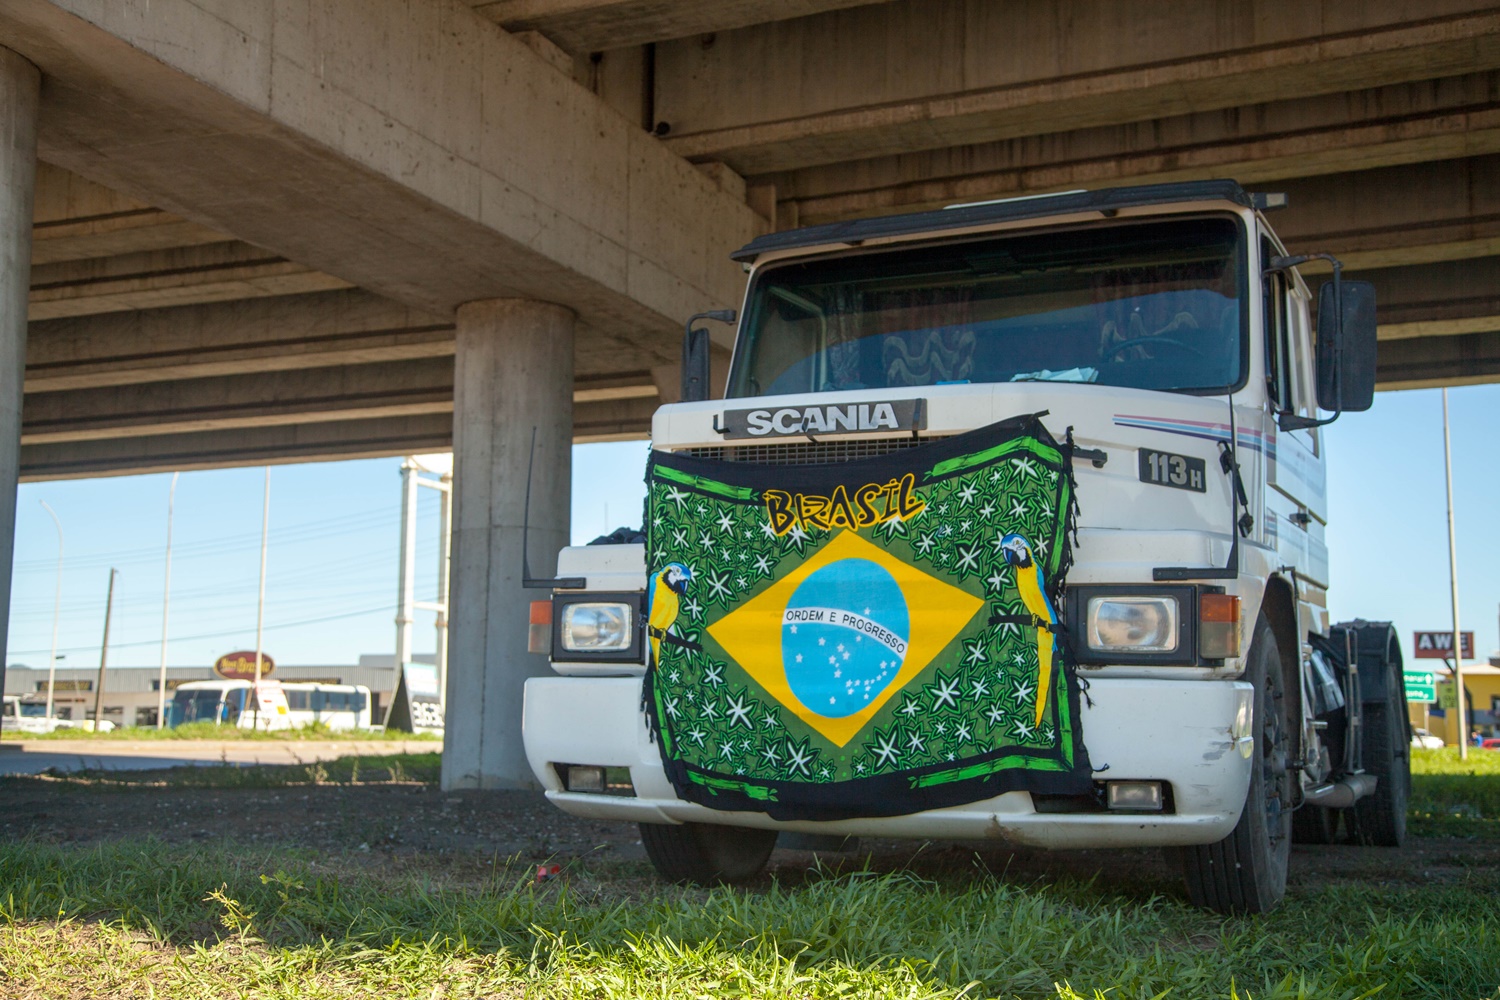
[(1439, 645), (1448, 697), (1420, 686), (416, 705), (240, 666)]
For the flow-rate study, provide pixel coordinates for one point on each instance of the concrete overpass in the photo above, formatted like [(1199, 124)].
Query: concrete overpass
[(246, 231)]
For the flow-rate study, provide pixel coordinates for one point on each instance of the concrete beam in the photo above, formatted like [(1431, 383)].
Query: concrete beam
[(308, 442), (924, 74), (159, 278), (249, 335), (415, 150), (1436, 300), (1470, 359), (584, 26), (286, 333), (269, 399), (316, 441), (77, 219), (618, 404), (1256, 144)]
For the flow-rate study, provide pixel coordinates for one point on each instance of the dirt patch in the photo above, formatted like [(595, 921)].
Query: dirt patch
[(462, 835)]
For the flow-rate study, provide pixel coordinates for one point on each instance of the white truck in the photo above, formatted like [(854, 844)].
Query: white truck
[(1218, 714)]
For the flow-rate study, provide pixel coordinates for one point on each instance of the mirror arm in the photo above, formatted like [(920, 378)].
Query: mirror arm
[(1276, 265)]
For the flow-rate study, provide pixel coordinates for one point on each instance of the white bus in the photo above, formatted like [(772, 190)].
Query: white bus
[(281, 706)]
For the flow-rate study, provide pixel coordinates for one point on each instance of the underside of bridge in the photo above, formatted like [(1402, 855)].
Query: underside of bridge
[(246, 253), (254, 222)]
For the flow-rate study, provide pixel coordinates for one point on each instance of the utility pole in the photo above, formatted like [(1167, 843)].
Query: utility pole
[(109, 607), (56, 607), (406, 591), (166, 602), (260, 611), (1458, 648)]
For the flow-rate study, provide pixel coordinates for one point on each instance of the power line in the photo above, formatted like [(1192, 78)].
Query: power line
[(211, 635)]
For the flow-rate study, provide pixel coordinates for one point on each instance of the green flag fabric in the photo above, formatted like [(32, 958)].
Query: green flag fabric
[(868, 638)]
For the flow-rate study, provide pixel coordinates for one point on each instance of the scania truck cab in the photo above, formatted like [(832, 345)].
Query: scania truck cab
[(1163, 346)]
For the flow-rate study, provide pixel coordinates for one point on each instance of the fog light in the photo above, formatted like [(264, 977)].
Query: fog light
[(1142, 795), (539, 632), (1132, 624), (585, 779), (1218, 626)]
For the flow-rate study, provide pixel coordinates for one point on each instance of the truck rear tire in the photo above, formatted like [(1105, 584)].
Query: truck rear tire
[(1246, 871), (1315, 825), (706, 853), (1379, 819)]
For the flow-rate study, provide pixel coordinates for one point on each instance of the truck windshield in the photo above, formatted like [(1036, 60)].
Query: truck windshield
[(1150, 305)]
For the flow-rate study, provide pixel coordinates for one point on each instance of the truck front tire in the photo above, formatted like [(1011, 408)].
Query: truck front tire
[(706, 853), (1246, 871)]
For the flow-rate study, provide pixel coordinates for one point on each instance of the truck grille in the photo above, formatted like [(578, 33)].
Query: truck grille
[(806, 453)]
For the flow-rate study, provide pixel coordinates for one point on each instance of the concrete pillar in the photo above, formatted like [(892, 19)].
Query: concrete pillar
[(19, 85), (513, 373)]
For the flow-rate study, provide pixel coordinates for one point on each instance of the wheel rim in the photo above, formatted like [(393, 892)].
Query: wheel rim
[(1274, 770)]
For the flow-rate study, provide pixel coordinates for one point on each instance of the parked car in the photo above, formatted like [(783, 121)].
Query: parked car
[(1422, 738), (28, 717), (1492, 743)]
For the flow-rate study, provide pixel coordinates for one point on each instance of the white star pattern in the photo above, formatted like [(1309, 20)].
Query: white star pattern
[(946, 692), (726, 522), (885, 750), (739, 711), (797, 759)]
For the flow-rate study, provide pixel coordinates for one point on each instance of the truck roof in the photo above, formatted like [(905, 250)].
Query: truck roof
[(966, 216)]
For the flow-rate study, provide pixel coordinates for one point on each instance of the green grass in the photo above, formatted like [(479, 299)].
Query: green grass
[(211, 731), (1451, 797), (247, 922), (148, 918)]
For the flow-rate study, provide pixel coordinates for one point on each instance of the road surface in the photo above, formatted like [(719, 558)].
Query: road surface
[(36, 756)]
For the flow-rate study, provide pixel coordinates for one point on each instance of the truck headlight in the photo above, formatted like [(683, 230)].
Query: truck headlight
[(1136, 624), (1150, 624), (596, 626)]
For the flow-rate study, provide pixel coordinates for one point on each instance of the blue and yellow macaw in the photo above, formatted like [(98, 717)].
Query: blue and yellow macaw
[(667, 588), (1033, 588)]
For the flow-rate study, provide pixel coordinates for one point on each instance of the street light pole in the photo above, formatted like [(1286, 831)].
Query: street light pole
[(166, 602), (109, 608), (56, 607), (260, 611), (1458, 648)]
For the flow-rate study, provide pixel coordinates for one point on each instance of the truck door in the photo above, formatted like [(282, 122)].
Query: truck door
[(1297, 501)]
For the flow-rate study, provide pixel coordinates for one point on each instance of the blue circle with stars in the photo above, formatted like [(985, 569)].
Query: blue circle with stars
[(836, 670)]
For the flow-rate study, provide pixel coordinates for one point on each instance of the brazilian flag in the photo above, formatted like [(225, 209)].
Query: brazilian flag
[(866, 638)]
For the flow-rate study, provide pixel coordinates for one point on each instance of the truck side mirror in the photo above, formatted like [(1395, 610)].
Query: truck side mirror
[(695, 365), (695, 355), (1346, 346)]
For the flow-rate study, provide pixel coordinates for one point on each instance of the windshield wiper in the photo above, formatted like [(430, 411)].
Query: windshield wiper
[(1066, 375)]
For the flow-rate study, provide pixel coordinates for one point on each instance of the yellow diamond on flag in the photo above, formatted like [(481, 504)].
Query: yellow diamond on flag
[(840, 635)]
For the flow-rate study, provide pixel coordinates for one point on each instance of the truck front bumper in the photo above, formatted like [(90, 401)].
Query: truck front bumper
[(1176, 731)]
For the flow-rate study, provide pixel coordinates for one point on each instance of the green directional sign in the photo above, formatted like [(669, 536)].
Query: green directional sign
[(1420, 686)]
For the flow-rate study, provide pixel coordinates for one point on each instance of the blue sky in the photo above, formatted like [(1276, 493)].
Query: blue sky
[(331, 581)]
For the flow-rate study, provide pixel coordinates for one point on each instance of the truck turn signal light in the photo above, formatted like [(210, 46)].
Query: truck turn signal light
[(539, 634), (1218, 626)]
